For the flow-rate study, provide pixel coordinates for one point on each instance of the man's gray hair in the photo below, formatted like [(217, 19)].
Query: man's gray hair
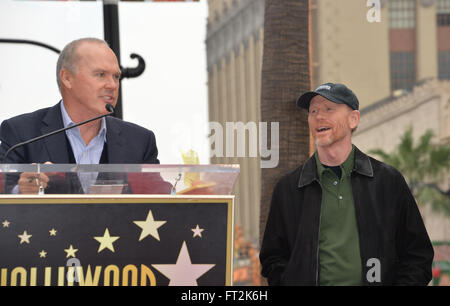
[(68, 58)]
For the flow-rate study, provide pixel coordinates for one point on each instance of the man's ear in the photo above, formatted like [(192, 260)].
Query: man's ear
[(65, 76), (354, 119)]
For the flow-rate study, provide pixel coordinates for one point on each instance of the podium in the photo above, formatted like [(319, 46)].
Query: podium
[(116, 225)]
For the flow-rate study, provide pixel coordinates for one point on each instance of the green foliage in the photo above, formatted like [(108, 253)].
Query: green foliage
[(423, 165)]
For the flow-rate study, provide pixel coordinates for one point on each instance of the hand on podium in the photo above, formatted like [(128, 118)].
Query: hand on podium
[(30, 182)]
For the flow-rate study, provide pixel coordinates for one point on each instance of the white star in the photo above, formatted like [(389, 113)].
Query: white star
[(197, 231), (24, 237), (183, 273), (6, 223), (43, 254), (149, 226)]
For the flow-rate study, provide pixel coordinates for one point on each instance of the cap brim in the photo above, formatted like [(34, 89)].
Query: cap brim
[(305, 99)]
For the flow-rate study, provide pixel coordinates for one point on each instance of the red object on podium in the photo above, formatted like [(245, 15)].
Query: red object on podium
[(148, 183)]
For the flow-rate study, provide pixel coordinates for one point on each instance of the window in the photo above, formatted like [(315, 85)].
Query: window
[(403, 70), (402, 14), (443, 13), (444, 65), (402, 23)]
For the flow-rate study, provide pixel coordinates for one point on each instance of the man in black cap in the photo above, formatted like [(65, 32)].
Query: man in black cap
[(342, 217)]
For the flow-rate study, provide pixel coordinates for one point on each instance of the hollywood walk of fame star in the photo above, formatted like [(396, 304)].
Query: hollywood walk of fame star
[(183, 272)]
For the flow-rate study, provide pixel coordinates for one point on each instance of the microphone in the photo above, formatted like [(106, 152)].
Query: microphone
[(108, 107)]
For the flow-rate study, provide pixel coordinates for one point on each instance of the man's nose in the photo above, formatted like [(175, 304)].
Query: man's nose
[(112, 83), (319, 115)]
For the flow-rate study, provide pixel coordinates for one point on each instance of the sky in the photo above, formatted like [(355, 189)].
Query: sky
[(169, 98)]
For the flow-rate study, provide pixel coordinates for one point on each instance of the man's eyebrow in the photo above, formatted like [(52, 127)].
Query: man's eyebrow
[(106, 69)]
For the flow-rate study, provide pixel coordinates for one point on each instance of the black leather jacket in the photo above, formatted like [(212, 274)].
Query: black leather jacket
[(390, 227)]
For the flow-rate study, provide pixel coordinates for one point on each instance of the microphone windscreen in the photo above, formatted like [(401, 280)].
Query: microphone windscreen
[(109, 108)]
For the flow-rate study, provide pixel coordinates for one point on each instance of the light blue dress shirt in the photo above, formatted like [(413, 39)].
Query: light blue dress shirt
[(91, 153), (85, 154)]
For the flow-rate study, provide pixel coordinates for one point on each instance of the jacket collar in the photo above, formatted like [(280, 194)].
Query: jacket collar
[(362, 163), (58, 153), (52, 121), (114, 141), (308, 173)]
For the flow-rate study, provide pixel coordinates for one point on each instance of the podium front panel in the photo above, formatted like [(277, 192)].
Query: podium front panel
[(116, 240)]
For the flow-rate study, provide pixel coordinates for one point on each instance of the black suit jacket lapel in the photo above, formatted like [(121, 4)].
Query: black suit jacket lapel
[(114, 142), (56, 145)]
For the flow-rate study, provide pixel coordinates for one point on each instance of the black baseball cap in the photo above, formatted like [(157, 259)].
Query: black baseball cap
[(337, 93)]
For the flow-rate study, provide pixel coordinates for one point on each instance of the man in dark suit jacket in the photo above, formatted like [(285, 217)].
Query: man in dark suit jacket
[(88, 76), (126, 143)]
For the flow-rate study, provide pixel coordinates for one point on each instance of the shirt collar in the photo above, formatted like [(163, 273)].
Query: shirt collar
[(308, 172), (67, 121), (346, 166)]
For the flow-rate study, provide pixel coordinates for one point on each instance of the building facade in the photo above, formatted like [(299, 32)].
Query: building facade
[(234, 45), (379, 50), (426, 107)]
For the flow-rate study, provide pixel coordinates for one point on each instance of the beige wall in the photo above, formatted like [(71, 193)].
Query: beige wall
[(351, 50), (426, 29)]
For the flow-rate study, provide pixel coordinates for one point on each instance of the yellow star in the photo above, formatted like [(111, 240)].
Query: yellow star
[(43, 254), (52, 232), (24, 237), (106, 241), (6, 223), (149, 226), (70, 251)]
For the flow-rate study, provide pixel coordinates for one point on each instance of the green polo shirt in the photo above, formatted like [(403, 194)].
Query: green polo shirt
[(339, 255)]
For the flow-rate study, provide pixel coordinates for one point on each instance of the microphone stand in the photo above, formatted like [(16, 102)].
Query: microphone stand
[(108, 107)]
